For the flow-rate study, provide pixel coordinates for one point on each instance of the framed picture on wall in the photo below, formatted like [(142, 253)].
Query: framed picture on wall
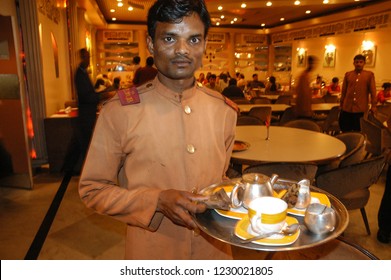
[(301, 58), (370, 55), (329, 58)]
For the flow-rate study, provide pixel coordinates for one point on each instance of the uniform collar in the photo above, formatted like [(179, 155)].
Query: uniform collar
[(172, 95)]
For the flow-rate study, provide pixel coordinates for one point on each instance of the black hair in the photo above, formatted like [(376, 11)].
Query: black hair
[(232, 82), (150, 61), (386, 85), (360, 57), (335, 80), (173, 11)]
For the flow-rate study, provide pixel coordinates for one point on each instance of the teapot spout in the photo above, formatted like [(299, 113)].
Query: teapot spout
[(273, 179)]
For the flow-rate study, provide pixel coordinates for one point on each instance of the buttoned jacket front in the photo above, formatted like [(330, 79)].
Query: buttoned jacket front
[(356, 89), (167, 141)]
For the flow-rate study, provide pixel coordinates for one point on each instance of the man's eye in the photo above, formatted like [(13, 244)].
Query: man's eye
[(168, 39), (195, 40)]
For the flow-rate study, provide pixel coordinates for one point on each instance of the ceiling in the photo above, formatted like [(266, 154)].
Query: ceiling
[(255, 15)]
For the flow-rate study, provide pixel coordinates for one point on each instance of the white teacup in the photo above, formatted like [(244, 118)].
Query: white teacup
[(267, 214)]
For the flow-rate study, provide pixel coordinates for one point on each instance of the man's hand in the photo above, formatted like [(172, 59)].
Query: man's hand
[(176, 205)]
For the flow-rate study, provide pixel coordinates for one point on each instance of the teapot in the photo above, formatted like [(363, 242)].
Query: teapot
[(251, 186)]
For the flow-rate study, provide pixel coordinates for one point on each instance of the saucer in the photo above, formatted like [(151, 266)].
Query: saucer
[(243, 231), (315, 198)]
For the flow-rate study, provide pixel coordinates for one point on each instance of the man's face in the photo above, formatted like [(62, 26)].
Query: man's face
[(358, 64), (178, 48), (212, 81)]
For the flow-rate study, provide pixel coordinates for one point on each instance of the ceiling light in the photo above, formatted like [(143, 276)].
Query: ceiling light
[(130, 8), (308, 11), (263, 24), (235, 19), (243, 5), (217, 23), (232, 22), (269, 3), (119, 0), (120, 4), (113, 19), (220, 8), (112, 10), (297, 2), (282, 19), (325, 1), (222, 16)]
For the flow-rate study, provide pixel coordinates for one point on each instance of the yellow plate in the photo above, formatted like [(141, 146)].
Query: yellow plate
[(241, 212), (243, 231), (315, 198)]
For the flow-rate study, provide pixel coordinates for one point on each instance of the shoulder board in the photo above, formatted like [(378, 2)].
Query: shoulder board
[(218, 95), (146, 87)]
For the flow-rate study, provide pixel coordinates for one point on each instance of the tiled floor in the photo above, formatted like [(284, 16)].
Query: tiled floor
[(78, 233)]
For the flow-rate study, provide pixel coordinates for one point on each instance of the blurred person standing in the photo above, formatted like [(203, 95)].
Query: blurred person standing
[(155, 149), (303, 107), (358, 85)]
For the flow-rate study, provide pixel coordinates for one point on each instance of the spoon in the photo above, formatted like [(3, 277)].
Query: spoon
[(289, 230)]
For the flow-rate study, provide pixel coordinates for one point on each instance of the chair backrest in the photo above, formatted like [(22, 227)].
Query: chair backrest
[(342, 181), (249, 120), (317, 100), (262, 113), (240, 100), (303, 124), (331, 99), (261, 100), (284, 99), (331, 124), (378, 138), (287, 115), (289, 170), (355, 147)]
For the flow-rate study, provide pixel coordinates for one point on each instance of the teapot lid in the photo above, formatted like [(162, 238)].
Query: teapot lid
[(255, 178)]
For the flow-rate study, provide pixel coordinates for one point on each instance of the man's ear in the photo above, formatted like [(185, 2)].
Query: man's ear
[(150, 44)]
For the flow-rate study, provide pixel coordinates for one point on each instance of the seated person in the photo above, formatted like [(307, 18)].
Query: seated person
[(233, 91), (316, 87), (241, 82), (334, 87), (255, 83), (385, 93), (271, 86), (212, 83)]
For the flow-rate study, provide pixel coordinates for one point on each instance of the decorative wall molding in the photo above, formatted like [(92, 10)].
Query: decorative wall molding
[(118, 35), (49, 8), (361, 24), (216, 38)]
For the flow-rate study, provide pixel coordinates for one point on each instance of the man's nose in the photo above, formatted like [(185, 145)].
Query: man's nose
[(181, 47)]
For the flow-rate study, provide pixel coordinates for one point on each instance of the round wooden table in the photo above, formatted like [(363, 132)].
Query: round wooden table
[(286, 144)]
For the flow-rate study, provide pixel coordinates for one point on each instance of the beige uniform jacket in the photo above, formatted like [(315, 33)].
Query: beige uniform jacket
[(356, 89), (166, 141)]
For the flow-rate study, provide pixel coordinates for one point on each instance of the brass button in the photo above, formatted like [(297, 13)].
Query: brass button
[(190, 149), (187, 109)]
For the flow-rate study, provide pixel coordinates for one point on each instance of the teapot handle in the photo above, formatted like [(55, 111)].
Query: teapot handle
[(237, 195)]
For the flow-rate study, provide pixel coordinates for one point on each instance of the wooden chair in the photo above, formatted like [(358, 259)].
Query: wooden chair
[(284, 99), (350, 184), (262, 113), (295, 171), (240, 100), (355, 151), (355, 148), (331, 123), (249, 120), (331, 98), (378, 137), (287, 116), (261, 100), (303, 124)]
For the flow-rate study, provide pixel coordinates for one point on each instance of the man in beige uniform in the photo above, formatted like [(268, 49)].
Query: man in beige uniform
[(147, 160)]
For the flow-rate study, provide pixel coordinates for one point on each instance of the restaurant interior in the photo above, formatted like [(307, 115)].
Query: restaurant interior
[(40, 205)]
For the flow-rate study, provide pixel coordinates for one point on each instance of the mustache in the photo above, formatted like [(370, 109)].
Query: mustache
[(181, 59)]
